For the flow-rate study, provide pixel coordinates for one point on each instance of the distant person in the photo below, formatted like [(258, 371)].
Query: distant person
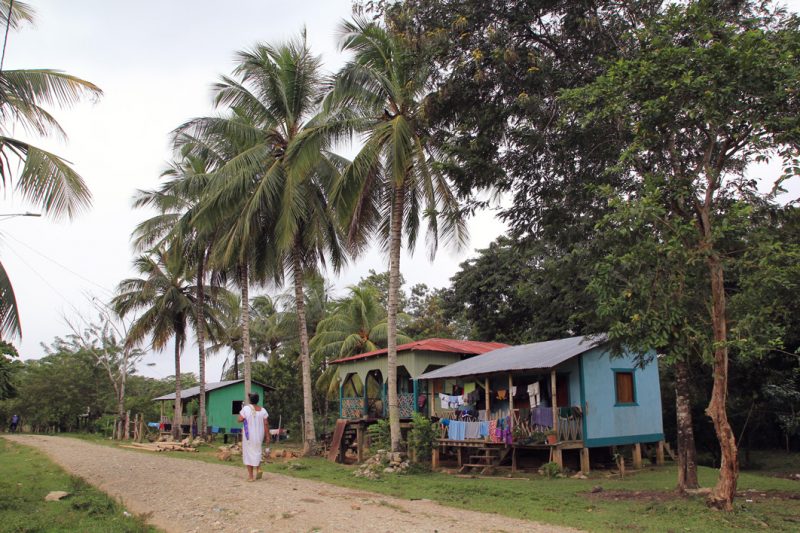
[(255, 421), (14, 423)]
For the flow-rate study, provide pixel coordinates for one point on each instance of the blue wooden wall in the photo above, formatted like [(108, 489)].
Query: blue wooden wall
[(605, 422)]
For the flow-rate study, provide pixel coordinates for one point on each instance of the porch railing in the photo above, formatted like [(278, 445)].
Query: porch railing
[(352, 407)]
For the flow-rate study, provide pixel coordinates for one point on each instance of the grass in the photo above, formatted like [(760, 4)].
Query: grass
[(27, 477), (643, 501)]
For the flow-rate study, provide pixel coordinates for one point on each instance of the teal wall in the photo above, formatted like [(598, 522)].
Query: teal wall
[(606, 423), (219, 402)]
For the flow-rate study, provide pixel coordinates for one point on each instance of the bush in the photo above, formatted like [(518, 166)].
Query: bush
[(550, 469), (380, 437), (422, 438)]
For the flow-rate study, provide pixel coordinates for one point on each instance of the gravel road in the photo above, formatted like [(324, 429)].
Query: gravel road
[(192, 496)]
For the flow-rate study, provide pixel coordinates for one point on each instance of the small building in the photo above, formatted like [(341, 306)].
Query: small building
[(571, 388), (362, 377), (224, 400)]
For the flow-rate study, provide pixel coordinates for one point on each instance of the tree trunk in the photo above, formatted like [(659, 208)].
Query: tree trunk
[(244, 281), (201, 339), (235, 365), (687, 454), (310, 439), (395, 241), (176, 416), (723, 493)]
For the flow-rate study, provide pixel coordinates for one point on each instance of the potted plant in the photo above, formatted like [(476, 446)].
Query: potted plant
[(551, 436)]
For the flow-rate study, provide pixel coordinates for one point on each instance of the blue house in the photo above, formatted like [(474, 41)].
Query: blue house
[(571, 389)]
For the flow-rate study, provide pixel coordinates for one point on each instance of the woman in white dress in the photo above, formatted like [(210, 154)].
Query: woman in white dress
[(255, 420)]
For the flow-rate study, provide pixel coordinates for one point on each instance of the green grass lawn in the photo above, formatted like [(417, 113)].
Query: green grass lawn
[(642, 501), (26, 476)]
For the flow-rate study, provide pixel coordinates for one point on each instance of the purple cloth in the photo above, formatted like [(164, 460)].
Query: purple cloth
[(542, 416)]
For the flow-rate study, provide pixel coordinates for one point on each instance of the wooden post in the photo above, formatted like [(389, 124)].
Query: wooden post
[(127, 425), (488, 402), (554, 401), (513, 459), (557, 457), (360, 443), (637, 456), (435, 458), (585, 461), (660, 453), (459, 449), (511, 399)]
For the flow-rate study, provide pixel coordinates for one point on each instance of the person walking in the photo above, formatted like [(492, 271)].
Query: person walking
[(255, 422), (14, 423)]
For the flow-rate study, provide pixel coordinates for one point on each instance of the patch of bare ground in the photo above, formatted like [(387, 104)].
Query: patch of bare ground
[(192, 496)]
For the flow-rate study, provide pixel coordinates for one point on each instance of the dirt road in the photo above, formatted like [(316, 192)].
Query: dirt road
[(193, 496)]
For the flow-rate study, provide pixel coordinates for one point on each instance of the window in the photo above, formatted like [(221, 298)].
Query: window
[(624, 386), (236, 406)]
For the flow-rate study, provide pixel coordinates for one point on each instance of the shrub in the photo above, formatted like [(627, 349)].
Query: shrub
[(380, 436), (550, 469), (421, 438)]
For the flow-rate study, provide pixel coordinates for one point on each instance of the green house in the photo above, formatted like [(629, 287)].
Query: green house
[(363, 389), (224, 400)]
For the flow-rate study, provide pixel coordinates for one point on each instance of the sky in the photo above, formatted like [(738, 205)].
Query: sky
[(155, 62)]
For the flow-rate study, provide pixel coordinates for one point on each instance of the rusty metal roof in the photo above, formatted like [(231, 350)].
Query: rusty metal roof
[(432, 345)]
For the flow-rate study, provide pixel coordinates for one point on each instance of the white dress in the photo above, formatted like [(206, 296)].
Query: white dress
[(254, 437)]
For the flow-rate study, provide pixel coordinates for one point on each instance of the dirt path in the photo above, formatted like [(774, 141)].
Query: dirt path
[(183, 496)]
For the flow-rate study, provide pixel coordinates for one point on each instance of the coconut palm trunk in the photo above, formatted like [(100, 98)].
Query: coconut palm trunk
[(305, 357), (244, 280), (201, 339), (395, 238), (176, 417)]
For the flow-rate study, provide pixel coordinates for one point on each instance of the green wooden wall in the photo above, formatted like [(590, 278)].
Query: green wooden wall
[(219, 402)]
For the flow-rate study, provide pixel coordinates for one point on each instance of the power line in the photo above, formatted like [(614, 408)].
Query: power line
[(39, 275), (87, 280)]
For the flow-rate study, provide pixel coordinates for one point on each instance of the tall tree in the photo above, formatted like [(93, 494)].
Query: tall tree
[(43, 179), (279, 87), (395, 180), (178, 200), (165, 296), (708, 88)]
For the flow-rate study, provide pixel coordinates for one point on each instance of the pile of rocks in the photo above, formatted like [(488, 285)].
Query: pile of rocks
[(383, 462)]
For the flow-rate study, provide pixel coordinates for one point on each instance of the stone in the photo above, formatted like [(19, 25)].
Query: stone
[(55, 495), (579, 475), (355, 507), (596, 489)]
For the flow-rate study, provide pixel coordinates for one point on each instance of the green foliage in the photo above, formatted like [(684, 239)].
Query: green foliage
[(379, 435), (551, 470), (422, 437)]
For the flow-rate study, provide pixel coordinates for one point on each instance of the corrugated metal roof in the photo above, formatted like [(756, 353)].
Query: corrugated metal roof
[(433, 345), (536, 356), (195, 391)]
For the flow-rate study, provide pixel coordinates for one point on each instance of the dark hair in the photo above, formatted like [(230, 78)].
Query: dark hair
[(254, 398)]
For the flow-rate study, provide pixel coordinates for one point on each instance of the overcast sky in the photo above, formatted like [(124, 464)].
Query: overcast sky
[(155, 62)]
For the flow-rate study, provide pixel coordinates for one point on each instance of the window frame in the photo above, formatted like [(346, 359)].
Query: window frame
[(635, 396)]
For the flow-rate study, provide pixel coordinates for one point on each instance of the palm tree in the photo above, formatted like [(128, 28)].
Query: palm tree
[(394, 180), (166, 297), (356, 324), (44, 179), (177, 201), (277, 88)]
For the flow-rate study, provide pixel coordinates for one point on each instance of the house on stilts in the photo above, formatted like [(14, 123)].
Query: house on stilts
[(502, 403)]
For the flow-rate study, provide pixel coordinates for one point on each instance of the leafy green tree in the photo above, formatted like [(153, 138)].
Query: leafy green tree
[(703, 94), (395, 180), (8, 358), (428, 316), (37, 176)]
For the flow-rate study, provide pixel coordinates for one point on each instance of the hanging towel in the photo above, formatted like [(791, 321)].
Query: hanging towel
[(534, 394), (501, 394), (472, 430)]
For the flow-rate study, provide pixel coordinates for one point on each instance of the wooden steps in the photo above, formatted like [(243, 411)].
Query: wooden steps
[(490, 459)]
